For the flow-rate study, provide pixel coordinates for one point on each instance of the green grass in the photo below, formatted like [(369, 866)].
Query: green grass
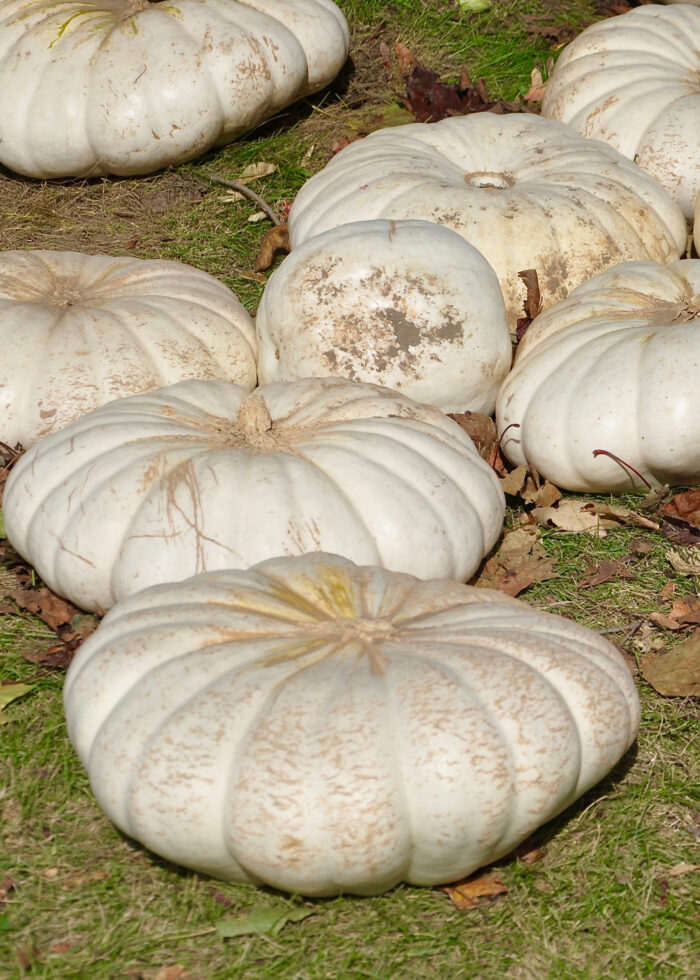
[(600, 903)]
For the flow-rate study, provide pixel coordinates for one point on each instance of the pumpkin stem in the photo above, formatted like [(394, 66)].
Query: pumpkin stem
[(628, 466), (254, 416)]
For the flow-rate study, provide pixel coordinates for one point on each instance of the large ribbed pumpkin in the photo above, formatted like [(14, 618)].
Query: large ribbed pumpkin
[(92, 87), (78, 330), (616, 366), (406, 304), (527, 192), (203, 475), (634, 81), (322, 727)]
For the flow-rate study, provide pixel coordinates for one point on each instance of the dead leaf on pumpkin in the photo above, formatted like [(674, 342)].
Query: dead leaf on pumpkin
[(466, 894), (675, 672)]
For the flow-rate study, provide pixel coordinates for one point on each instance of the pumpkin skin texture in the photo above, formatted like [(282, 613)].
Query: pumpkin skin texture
[(201, 475), (634, 81), (406, 304), (90, 87), (615, 366), (107, 328), (322, 727), (527, 192)]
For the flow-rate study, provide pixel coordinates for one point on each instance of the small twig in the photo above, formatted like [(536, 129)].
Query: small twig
[(250, 194)]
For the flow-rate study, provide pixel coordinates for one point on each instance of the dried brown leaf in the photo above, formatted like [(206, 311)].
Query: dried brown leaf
[(514, 481), (606, 571), (466, 894), (275, 240), (520, 561), (571, 515), (7, 885), (642, 546), (684, 507), (682, 869), (543, 496), (675, 672), (686, 561), (684, 612), (45, 604), (481, 429), (174, 972), (537, 87)]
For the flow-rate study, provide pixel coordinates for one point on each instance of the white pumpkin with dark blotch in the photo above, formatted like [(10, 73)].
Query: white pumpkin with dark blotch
[(203, 475), (78, 330), (91, 87), (322, 727), (634, 81), (527, 192), (616, 367), (406, 304)]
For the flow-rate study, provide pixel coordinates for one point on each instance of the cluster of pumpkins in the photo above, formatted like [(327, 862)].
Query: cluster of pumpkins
[(294, 687)]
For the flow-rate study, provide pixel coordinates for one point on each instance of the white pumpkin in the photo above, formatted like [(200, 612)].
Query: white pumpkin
[(202, 475), (634, 81), (615, 366), (527, 192), (322, 727), (92, 87), (77, 331), (406, 304), (696, 225)]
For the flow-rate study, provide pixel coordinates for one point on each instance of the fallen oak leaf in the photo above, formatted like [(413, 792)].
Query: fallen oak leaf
[(683, 507), (606, 571), (686, 561), (49, 607), (466, 894), (514, 481), (544, 495), (682, 869), (577, 516), (675, 672), (7, 885), (537, 87), (173, 972), (481, 429), (520, 561), (685, 611)]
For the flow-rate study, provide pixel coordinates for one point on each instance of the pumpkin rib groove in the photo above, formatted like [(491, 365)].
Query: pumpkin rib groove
[(378, 467), (418, 487)]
